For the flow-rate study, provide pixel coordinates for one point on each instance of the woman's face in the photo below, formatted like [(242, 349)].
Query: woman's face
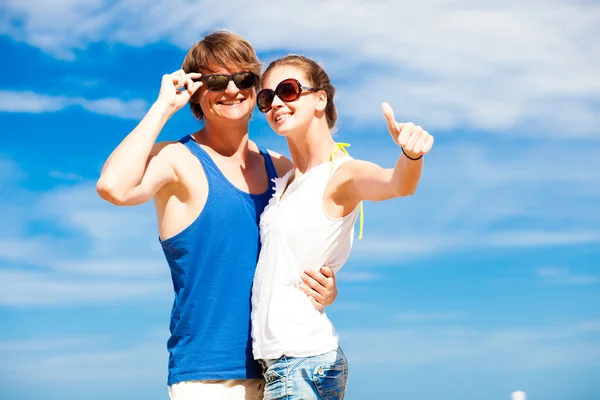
[(290, 117)]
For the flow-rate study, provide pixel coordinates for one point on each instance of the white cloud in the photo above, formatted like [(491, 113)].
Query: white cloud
[(506, 348), (29, 102), (10, 172), (351, 276), (416, 317), (81, 360), (464, 64), (66, 176), (473, 197), (134, 109), (404, 248), (96, 253), (563, 276), (467, 196), (42, 289)]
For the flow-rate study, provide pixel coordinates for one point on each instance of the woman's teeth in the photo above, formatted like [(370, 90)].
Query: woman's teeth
[(282, 117)]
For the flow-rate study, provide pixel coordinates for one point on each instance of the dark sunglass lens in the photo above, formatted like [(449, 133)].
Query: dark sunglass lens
[(244, 80), (288, 91), (264, 99), (217, 83)]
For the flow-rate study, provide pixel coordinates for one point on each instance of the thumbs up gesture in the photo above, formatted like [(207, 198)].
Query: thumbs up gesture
[(414, 140)]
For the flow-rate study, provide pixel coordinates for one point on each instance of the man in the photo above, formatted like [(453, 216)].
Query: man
[(209, 189)]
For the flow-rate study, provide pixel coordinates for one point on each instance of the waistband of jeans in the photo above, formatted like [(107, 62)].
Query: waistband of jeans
[(267, 363)]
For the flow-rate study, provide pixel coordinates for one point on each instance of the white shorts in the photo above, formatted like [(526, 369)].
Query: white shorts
[(234, 389)]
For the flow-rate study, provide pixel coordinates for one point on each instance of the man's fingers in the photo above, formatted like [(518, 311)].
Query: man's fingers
[(312, 294), (316, 304), (189, 86), (176, 77), (317, 281), (327, 271)]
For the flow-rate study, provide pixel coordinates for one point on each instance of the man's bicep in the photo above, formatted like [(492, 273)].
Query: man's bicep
[(158, 173)]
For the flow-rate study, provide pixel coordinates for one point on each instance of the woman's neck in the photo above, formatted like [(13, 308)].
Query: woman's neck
[(312, 148)]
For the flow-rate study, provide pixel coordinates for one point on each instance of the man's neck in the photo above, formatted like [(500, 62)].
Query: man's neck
[(229, 140)]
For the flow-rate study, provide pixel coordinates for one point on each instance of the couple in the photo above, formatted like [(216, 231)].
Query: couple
[(244, 231)]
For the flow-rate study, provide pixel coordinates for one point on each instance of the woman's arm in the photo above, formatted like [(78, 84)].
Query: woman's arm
[(358, 180)]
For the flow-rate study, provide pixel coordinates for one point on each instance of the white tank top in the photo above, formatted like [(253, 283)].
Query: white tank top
[(297, 234)]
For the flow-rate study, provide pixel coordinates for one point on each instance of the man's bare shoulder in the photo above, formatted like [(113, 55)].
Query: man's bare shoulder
[(166, 149), (282, 163), (174, 155)]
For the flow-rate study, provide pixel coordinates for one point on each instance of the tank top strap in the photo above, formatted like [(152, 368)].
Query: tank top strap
[(207, 162), (334, 164), (271, 171)]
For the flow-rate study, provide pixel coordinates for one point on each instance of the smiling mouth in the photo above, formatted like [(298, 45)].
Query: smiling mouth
[(283, 117), (231, 102)]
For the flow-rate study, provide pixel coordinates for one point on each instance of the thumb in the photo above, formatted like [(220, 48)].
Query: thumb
[(327, 271), (388, 113)]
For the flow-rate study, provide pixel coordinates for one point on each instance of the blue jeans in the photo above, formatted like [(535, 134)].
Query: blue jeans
[(321, 377)]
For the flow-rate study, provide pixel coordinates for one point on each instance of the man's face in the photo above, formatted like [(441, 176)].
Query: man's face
[(233, 103)]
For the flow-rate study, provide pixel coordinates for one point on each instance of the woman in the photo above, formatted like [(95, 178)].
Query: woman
[(309, 222)]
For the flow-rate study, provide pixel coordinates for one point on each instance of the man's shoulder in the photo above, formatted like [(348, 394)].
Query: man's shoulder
[(166, 148), (282, 163)]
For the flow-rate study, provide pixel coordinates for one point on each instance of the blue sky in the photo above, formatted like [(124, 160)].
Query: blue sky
[(485, 282)]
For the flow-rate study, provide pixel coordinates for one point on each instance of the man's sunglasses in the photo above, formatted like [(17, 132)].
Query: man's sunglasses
[(287, 90), (219, 82)]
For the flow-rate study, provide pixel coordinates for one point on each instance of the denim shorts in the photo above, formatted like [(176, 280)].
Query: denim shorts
[(321, 377)]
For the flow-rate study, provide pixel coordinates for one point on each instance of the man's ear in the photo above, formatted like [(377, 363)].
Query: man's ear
[(321, 100)]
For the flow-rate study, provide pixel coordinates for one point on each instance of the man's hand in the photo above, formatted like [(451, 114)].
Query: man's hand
[(320, 287), (177, 88)]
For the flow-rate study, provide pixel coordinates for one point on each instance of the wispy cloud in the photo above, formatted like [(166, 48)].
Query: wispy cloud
[(30, 102), (508, 348), (473, 197), (83, 359), (10, 172), (91, 253), (462, 206), (43, 289), (66, 176), (350, 276), (563, 276), (415, 317), (404, 248), (488, 65)]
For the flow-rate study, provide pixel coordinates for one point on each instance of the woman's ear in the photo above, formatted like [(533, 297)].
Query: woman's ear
[(321, 100)]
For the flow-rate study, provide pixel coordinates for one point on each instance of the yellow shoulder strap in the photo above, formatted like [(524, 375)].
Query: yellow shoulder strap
[(342, 147)]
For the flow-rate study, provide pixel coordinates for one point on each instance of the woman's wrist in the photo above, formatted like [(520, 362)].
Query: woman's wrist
[(411, 155)]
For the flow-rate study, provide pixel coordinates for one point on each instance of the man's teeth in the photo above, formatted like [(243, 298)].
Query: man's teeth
[(231, 103), (282, 117)]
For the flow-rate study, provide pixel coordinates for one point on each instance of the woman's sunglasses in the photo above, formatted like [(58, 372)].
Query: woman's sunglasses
[(219, 82), (287, 90)]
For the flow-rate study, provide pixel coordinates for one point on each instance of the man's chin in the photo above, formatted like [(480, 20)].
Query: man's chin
[(237, 112)]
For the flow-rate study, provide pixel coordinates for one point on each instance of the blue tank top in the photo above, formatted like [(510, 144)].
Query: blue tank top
[(212, 264)]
